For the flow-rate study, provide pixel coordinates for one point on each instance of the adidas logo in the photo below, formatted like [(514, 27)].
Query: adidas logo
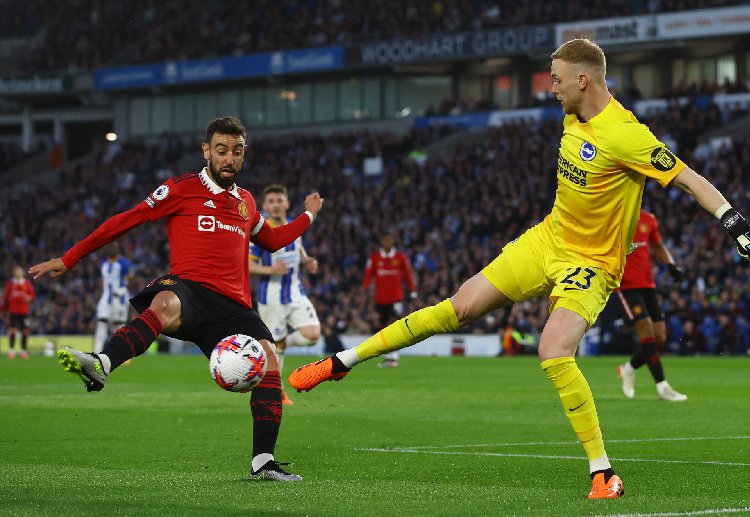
[(209, 204)]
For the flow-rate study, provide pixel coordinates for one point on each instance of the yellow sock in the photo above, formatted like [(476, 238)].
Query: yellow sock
[(416, 327), (578, 403)]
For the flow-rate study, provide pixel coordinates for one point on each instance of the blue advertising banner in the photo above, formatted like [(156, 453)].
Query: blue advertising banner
[(219, 69), (491, 118), (466, 120)]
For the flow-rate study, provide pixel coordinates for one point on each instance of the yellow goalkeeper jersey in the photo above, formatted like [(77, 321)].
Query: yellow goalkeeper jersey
[(601, 169)]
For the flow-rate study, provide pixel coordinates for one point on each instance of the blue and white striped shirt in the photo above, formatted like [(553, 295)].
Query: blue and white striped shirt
[(280, 289)]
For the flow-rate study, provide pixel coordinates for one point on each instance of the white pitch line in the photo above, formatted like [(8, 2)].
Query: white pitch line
[(712, 511), (549, 456), (573, 442)]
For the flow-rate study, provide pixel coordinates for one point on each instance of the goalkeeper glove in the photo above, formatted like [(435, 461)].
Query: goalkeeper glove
[(676, 272), (739, 229)]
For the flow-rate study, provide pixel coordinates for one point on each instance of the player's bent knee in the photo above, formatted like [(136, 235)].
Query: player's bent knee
[(475, 298), (168, 308), (310, 333)]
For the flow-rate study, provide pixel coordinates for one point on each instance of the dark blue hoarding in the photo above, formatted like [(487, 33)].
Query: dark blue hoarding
[(219, 69)]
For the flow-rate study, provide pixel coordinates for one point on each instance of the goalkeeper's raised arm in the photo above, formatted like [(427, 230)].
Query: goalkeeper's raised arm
[(714, 202)]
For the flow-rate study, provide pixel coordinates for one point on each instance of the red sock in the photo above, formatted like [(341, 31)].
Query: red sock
[(266, 408), (133, 339)]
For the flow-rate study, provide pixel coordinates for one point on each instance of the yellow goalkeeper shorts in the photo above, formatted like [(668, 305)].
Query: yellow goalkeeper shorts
[(530, 266)]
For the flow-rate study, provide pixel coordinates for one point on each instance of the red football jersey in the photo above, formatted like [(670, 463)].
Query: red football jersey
[(209, 231), (638, 273), (19, 293), (389, 269)]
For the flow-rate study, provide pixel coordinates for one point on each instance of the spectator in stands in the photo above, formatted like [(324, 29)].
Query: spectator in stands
[(332, 329), (693, 340), (111, 33)]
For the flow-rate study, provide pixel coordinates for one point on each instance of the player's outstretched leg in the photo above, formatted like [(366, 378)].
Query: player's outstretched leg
[(416, 327), (86, 366)]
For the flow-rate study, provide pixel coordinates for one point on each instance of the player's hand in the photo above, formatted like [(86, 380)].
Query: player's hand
[(311, 265), (676, 272), (739, 229), (53, 268), (743, 245), (279, 268), (313, 203)]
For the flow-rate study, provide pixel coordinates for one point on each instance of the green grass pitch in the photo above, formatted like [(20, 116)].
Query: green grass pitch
[(436, 436)]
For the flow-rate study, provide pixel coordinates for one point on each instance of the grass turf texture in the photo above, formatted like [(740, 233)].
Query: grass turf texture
[(436, 436)]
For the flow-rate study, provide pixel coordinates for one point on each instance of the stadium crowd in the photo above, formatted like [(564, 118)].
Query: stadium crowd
[(451, 216), (11, 155), (82, 35)]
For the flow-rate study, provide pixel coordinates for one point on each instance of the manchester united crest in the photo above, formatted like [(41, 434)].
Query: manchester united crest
[(242, 207)]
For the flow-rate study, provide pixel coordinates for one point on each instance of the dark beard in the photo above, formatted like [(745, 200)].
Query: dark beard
[(224, 183)]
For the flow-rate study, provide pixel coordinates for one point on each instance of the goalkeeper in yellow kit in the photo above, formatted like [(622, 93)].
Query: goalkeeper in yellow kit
[(576, 255)]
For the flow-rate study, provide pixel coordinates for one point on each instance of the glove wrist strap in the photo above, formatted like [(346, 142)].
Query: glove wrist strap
[(734, 223)]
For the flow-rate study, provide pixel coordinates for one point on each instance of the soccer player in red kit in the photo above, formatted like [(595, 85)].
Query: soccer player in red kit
[(640, 306), (19, 293), (206, 295), (388, 268)]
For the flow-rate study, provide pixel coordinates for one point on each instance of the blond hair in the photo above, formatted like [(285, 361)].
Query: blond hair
[(582, 51)]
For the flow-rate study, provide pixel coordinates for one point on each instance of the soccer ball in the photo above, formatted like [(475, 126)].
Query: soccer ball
[(238, 363)]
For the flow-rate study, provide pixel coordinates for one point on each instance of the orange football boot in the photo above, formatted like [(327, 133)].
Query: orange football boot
[(310, 375), (285, 399), (609, 490)]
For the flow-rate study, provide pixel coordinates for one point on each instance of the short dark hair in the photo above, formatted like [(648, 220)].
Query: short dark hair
[(276, 188), (226, 126)]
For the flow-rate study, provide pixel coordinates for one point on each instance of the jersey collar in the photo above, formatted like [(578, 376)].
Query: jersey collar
[(389, 254), (214, 188)]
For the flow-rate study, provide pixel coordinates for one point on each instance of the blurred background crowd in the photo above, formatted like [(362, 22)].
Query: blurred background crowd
[(451, 214), (451, 203), (86, 34)]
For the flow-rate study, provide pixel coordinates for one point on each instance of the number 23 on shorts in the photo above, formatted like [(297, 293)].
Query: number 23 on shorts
[(578, 278), (583, 290)]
